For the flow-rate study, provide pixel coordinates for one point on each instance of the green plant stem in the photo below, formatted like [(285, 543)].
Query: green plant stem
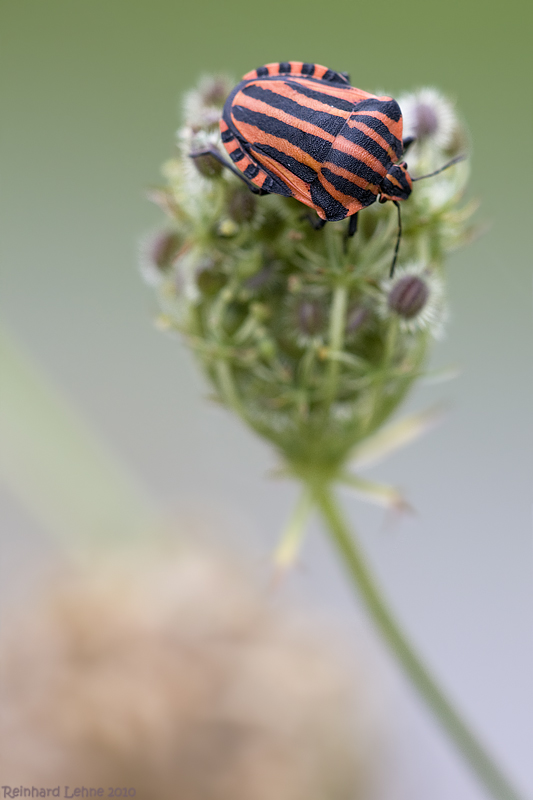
[(336, 338), (227, 388), (291, 539), (473, 752)]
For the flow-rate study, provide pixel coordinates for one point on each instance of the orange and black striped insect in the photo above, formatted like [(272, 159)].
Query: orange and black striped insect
[(302, 131)]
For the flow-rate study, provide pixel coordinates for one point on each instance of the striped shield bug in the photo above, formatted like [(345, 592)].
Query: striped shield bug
[(301, 130)]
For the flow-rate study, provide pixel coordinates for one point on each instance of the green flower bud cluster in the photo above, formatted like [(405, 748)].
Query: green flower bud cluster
[(301, 331)]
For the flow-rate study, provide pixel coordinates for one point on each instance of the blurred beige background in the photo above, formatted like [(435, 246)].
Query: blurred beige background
[(89, 99)]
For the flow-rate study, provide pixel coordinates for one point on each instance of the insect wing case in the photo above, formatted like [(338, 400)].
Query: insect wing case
[(279, 125)]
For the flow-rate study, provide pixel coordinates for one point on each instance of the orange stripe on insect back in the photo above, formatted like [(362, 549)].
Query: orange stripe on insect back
[(319, 71), (296, 67), (394, 182), (349, 176), (264, 108), (272, 67), (344, 92), (284, 146), (350, 203), (227, 146), (372, 134), (284, 90), (395, 127), (232, 146), (243, 163), (300, 188), (259, 179), (354, 150)]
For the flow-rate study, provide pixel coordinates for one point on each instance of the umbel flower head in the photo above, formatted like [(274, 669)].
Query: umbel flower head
[(299, 329)]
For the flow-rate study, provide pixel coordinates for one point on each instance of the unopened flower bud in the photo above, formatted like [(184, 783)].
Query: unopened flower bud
[(428, 116), (266, 279), (416, 295), (158, 253), (209, 279), (260, 311), (356, 316), (207, 165), (426, 121), (242, 205), (408, 296), (267, 348), (214, 90), (227, 228), (310, 317), (250, 263)]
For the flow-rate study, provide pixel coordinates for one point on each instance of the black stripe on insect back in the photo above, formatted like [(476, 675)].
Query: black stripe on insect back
[(361, 139), (334, 77), (378, 126), (251, 171), (227, 136), (236, 155), (314, 145), (390, 108), (334, 102), (284, 66), (292, 164), (308, 69), (322, 198), (365, 196), (354, 165), (331, 123)]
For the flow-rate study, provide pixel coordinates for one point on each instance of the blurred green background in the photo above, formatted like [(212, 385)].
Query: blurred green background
[(89, 106)]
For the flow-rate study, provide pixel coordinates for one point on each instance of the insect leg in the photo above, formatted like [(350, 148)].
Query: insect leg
[(407, 142), (315, 221), (396, 203), (212, 150), (352, 224), (351, 229)]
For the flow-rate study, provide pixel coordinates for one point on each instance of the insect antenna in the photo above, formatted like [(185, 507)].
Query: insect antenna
[(396, 203), (449, 164)]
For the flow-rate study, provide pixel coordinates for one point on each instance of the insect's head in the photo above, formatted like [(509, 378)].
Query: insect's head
[(397, 183)]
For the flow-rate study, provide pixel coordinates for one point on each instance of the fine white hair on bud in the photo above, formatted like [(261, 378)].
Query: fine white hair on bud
[(429, 117), (202, 110), (415, 295), (157, 253), (203, 105)]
